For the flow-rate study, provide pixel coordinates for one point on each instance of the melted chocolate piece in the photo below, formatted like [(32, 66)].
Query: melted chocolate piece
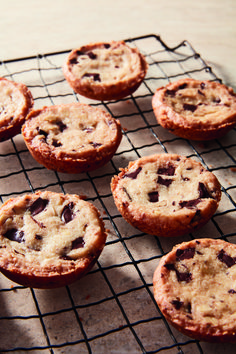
[(187, 253), (181, 276), (232, 291), (38, 206), (153, 197), (197, 216), (134, 174), (177, 304), (164, 181), (67, 214), (38, 237), (189, 107), (183, 86), (169, 266), (42, 132), (73, 61), (203, 192), (107, 45), (15, 235), (61, 125), (225, 258), (190, 204), (92, 55), (56, 143), (217, 100), (94, 76), (167, 171), (78, 243), (170, 92)]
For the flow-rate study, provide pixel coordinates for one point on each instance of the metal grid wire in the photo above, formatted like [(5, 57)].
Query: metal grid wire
[(112, 309)]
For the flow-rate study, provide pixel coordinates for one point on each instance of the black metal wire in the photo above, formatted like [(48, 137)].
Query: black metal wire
[(46, 81)]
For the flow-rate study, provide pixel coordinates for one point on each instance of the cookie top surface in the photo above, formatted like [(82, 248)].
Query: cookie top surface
[(72, 132), (15, 103), (49, 233), (95, 69), (195, 288), (167, 186), (197, 106)]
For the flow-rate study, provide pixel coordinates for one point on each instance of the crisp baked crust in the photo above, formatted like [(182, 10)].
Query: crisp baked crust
[(166, 194), (72, 138), (105, 71), (49, 239), (16, 101), (194, 109), (195, 288)]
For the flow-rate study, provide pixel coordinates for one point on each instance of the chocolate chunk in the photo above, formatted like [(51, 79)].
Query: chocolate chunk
[(197, 216), (183, 86), (225, 258), (189, 107), (79, 52), (38, 237), (190, 204), (187, 253), (203, 192), (15, 235), (169, 266), (168, 171), (217, 100), (94, 76), (67, 213), (189, 307), (134, 174), (177, 304), (73, 61), (92, 55), (232, 291), (56, 143), (107, 45), (95, 145), (153, 197), (78, 243), (42, 132), (170, 92), (61, 125), (38, 206), (202, 85), (183, 276), (164, 181)]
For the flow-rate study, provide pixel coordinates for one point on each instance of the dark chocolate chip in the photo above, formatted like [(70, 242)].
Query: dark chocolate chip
[(78, 243), (61, 125), (202, 85), (92, 55), (38, 237), (164, 181), (187, 253), (94, 76), (190, 204), (67, 213), (197, 216), (203, 192), (134, 174), (217, 100), (189, 107), (225, 258), (73, 61), (170, 92), (42, 132), (56, 143), (167, 171), (79, 52), (15, 235), (153, 197), (177, 304), (183, 86), (38, 206), (95, 145), (232, 291), (183, 276), (107, 45), (169, 266)]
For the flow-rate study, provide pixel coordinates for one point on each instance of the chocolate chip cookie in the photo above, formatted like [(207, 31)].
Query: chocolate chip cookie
[(49, 239), (195, 288), (72, 138), (105, 71), (166, 194), (16, 101), (194, 109)]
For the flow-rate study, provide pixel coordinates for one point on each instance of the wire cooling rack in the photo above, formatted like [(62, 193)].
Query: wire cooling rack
[(112, 309)]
